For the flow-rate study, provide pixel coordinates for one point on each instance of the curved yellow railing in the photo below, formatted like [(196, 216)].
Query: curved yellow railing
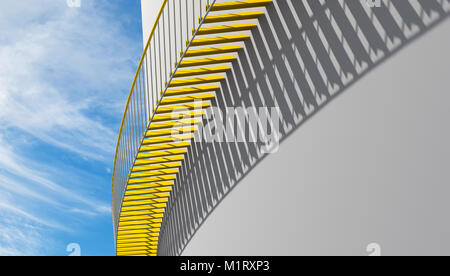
[(131, 91), (169, 35), (166, 104), (133, 85)]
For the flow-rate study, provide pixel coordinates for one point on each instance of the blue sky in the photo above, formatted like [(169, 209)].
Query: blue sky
[(65, 74)]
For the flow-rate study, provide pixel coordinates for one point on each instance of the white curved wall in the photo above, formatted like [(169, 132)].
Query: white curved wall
[(150, 9), (372, 166)]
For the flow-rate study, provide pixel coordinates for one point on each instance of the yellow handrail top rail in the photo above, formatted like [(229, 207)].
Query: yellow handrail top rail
[(132, 88)]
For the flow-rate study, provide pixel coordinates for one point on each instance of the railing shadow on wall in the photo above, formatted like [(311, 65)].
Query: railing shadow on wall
[(303, 74)]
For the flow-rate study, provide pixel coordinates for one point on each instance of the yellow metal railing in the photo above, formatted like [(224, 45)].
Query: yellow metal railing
[(175, 26), (119, 139)]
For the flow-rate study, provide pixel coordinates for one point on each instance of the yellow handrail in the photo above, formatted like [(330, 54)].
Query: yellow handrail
[(132, 88)]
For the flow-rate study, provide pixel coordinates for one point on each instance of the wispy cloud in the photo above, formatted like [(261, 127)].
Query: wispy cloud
[(35, 184), (22, 233), (64, 76), (21, 213), (19, 239), (60, 66)]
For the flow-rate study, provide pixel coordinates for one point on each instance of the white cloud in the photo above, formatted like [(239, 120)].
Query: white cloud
[(38, 186), (21, 236), (6, 184), (58, 66), (64, 77), (6, 207)]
